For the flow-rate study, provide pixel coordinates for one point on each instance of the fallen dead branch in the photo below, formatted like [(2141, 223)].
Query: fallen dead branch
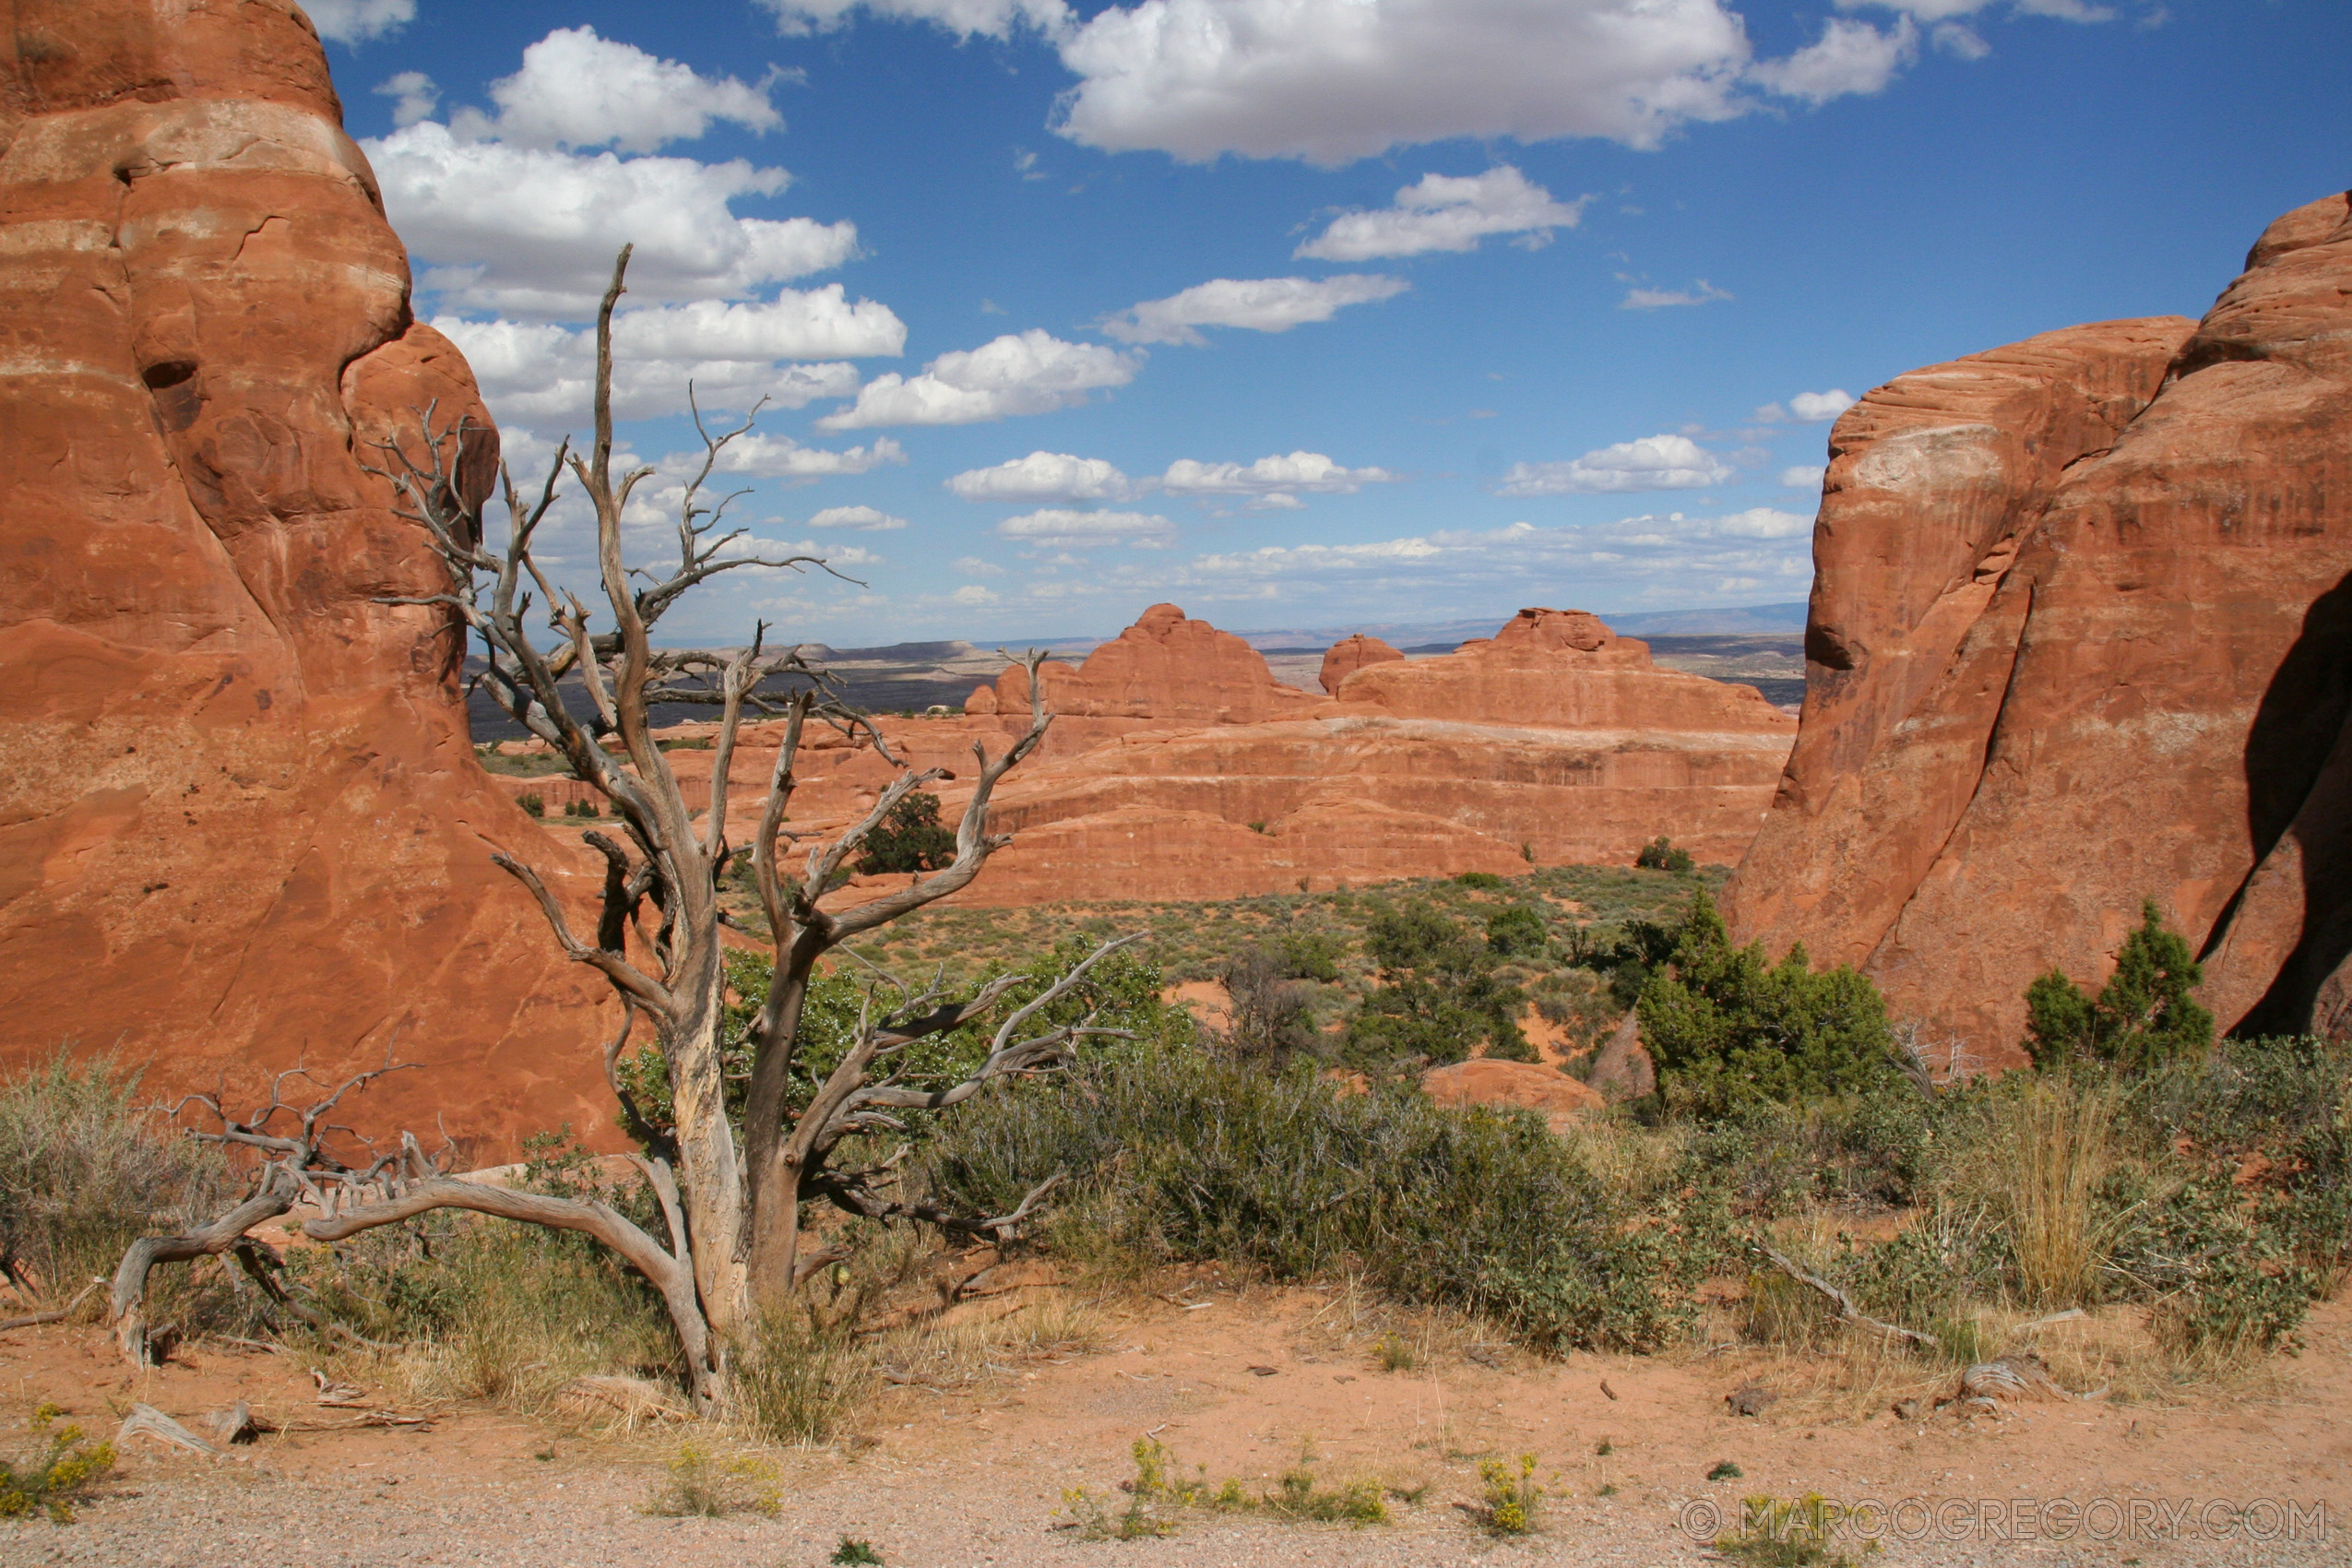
[(1847, 1311)]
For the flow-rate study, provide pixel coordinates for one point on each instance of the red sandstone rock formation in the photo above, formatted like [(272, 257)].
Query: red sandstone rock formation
[(2079, 638), (1167, 670), (1348, 655), (240, 821)]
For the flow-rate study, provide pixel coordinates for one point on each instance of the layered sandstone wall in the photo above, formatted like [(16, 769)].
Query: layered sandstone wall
[(241, 824), (2137, 688)]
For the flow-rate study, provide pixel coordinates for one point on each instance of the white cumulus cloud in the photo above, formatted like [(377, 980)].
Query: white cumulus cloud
[(1804, 476), (543, 373), (1260, 304), (1655, 462), (1045, 476), (1028, 372), (991, 18), (796, 324), (1659, 299), (1310, 471), (1442, 212), (1849, 58), (354, 22), (412, 94), (1937, 10), (761, 456), (1814, 407), (533, 230), (1336, 80), (1960, 39), (1071, 529), (578, 90), (866, 519)]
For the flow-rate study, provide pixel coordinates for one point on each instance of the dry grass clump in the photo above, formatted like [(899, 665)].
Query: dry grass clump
[(2040, 1156), (85, 1169)]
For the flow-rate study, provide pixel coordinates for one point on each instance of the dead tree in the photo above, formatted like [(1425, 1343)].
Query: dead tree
[(656, 940)]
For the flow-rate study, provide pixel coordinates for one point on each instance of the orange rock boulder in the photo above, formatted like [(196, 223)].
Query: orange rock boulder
[(241, 824), (1348, 655), (2077, 641)]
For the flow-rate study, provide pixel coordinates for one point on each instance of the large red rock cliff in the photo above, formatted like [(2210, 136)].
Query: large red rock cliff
[(241, 824), (2082, 636)]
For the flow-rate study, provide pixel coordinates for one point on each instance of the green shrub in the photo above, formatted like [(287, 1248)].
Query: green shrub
[(1440, 996), (909, 839), (2144, 1017), (1660, 854), (1175, 1156), (1484, 881), (66, 1469), (1725, 1028), (533, 802), (1516, 933), (2219, 1269)]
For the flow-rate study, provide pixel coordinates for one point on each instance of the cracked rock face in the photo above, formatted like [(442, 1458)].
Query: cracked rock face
[(241, 824), (2082, 636)]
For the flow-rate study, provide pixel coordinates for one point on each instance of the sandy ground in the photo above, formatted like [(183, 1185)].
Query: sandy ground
[(977, 1475)]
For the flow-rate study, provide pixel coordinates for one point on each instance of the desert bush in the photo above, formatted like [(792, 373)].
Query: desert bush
[(698, 1483), (85, 1171), (1441, 995), (2142, 1017), (1174, 1155), (1954, 1254), (2218, 1269), (1625, 956), (1273, 1012), (1874, 1148), (533, 802), (910, 838), (1785, 1533), (1660, 854), (1483, 881), (1510, 1498), (64, 1470), (800, 1383), (1724, 1027), (1516, 933)]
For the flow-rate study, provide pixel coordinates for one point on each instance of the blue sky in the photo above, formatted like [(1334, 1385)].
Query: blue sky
[(1302, 313)]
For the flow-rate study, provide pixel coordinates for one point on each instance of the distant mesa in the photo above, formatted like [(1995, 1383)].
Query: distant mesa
[(2079, 638), (1179, 767)]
